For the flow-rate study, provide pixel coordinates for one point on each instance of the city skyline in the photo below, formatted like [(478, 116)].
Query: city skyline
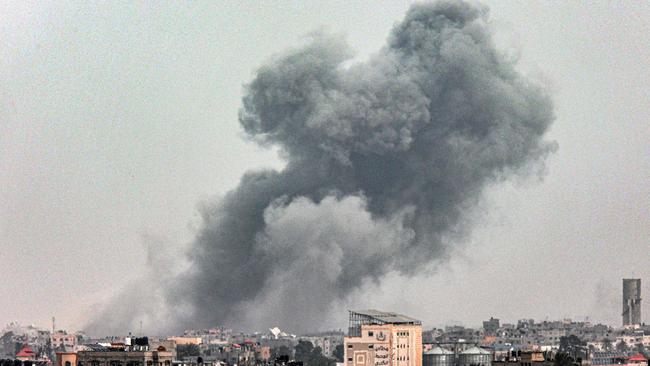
[(119, 120)]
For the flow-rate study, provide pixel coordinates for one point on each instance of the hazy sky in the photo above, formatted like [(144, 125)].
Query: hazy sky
[(118, 119)]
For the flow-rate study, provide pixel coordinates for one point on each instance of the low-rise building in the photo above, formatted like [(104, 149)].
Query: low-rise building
[(26, 354), (123, 358), (66, 359)]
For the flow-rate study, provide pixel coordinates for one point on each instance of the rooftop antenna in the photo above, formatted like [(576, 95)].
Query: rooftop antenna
[(53, 325)]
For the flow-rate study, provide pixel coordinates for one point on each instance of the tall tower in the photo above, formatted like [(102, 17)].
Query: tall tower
[(631, 301)]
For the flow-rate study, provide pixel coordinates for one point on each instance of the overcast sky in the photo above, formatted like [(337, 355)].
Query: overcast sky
[(118, 119)]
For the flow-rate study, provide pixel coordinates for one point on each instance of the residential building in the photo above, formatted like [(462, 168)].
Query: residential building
[(377, 338), (491, 326), (62, 340), (112, 357)]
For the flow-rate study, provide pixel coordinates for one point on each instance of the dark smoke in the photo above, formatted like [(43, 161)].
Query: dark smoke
[(385, 159)]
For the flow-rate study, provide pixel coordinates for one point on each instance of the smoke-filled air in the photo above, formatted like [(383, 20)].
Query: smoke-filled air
[(385, 161)]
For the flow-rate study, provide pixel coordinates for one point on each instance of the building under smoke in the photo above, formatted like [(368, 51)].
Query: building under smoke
[(631, 301), (383, 339)]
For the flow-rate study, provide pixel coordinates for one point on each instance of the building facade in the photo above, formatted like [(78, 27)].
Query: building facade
[(66, 359), (63, 340), (377, 338), (491, 327), (124, 358), (631, 301)]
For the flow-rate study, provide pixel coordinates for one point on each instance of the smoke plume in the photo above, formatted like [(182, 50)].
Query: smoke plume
[(384, 161)]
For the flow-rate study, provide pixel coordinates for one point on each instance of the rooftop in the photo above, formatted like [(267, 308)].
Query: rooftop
[(25, 352), (638, 357), (385, 317), (476, 351), (438, 351)]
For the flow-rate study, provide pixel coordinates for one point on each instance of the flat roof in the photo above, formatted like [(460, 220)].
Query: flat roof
[(386, 316)]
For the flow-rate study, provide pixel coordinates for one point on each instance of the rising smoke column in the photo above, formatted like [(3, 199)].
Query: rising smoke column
[(384, 161)]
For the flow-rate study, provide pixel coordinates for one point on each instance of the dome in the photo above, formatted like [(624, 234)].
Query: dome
[(437, 350)]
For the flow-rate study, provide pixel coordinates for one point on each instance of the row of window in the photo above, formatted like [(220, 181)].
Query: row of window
[(402, 358), (120, 363), (373, 346), (399, 334), (369, 346)]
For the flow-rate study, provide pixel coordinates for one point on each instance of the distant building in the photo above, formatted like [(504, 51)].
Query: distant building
[(123, 358), (529, 358), (608, 359), (377, 338), (63, 340), (166, 344), (26, 354), (491, 326), (631, 301), (181, 341)]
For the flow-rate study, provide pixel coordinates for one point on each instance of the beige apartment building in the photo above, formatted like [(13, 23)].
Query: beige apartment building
[(377, 338), (124, 358)]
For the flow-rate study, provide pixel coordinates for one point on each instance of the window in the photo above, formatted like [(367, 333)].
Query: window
[(349, 359), (371, 333), (349, 346), (371, 346)]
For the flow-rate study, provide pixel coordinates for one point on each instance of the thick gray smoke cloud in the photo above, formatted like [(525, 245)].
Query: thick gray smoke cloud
[(385, 159)]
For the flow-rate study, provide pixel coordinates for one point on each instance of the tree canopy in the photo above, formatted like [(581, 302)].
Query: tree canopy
[(311, 356)]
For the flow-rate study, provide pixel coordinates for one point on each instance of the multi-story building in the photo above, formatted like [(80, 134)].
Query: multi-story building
[(491, 326), (377, 338), (327, 341), (112, 357), (62, 340), (631, 301)]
